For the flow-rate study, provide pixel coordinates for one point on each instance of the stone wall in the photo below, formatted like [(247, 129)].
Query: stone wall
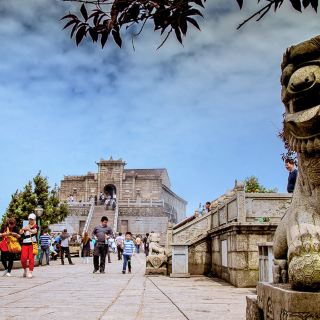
[(74, 221), (225, 239), (200, 257), (144, 219), (174, 203), (148, 188), (238, 261)]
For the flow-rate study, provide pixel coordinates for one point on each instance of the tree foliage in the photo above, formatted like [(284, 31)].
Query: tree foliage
[(34, 193), (99, 19), (105, 18), (252, 185)]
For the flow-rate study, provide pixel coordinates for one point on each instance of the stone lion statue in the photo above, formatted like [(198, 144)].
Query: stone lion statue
[(297, 238), (157, 258)]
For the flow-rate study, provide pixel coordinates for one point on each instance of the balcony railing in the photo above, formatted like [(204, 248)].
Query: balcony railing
[(139, 203)]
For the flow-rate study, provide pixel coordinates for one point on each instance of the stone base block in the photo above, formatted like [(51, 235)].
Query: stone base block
[(179, 275), (253, 312), (156, 271), (281, 302)]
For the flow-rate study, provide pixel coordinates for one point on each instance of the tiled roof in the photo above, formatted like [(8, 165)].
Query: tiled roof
[(153, 172)]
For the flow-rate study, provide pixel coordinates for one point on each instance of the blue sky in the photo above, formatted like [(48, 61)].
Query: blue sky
[(208, 111)]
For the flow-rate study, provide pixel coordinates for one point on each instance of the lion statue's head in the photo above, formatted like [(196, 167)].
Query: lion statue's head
[(300, 94)]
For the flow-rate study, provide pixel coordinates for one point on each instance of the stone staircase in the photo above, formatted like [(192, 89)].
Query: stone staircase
[(98, 213)]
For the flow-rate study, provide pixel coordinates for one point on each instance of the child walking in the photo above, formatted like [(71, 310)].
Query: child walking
[(128, 250)]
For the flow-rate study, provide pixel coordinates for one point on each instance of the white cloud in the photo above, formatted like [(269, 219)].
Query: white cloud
[(199, 109)]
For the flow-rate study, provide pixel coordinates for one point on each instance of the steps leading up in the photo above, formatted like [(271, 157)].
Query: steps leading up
[(98, 213)]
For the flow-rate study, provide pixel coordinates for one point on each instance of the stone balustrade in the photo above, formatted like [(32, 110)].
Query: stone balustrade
[(225, 240)]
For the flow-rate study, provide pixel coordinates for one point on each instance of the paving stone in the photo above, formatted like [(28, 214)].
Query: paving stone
[(73, 292)]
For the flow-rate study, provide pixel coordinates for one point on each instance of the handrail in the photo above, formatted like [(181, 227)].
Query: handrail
[(115, 222), (152, 203), (78, 204), (86, 226)]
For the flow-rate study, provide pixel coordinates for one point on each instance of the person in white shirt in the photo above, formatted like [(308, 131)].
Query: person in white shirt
[(119, 243)]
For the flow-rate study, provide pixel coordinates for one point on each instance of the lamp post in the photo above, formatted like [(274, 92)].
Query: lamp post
[(38, 211)]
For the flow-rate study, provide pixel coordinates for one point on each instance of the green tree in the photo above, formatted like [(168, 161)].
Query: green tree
[(37, 193), (41, 189), (252, 185)]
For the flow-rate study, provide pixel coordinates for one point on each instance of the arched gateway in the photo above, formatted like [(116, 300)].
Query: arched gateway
[(110, 190)]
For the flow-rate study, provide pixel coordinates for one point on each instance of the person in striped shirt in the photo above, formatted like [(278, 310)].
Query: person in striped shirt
[(45, 241), (128, 251)]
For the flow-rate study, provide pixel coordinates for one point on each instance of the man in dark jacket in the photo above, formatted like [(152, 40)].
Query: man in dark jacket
[(293, 172)]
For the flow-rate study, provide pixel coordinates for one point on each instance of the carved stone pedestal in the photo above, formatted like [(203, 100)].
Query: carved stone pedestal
[(156, 272), (156, 265), (280, 302)]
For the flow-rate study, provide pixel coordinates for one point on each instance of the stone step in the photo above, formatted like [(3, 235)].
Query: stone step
[(98, 213)]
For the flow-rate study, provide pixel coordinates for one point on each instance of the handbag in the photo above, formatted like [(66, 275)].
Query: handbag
[(13, 244), (35, 249)]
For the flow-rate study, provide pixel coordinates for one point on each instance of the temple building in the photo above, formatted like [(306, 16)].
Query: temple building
[(136, 200)]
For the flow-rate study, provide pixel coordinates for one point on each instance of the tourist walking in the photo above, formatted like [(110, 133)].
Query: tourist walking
[(53, 251), (112, 244), (100, 233), (45, 242), (138, 243), (293, 172), (128, 251), (119, 242), (107, 248), (64, 246), (85, 247), (146, 244), (29, 237), (9, 229)]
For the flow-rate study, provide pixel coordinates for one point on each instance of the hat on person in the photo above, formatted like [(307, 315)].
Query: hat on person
[(32, 216)]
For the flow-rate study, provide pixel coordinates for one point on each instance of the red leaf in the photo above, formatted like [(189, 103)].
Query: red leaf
[(194, 22), (314, 4), (178, 34), (84, 12), (69, 16), (93, 34), (296, 4), (69, 24), (104, 38), (80, 34), (198, 2), (117, 38), (240, 3), (183, 25), (193, 12), (75, 27), (305, 3)]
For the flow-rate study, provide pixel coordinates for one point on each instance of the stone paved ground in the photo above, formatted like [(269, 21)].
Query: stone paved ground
[(73, 292)]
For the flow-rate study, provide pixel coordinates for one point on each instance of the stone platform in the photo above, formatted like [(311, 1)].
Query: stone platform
[(280, 302), (73, 292)]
